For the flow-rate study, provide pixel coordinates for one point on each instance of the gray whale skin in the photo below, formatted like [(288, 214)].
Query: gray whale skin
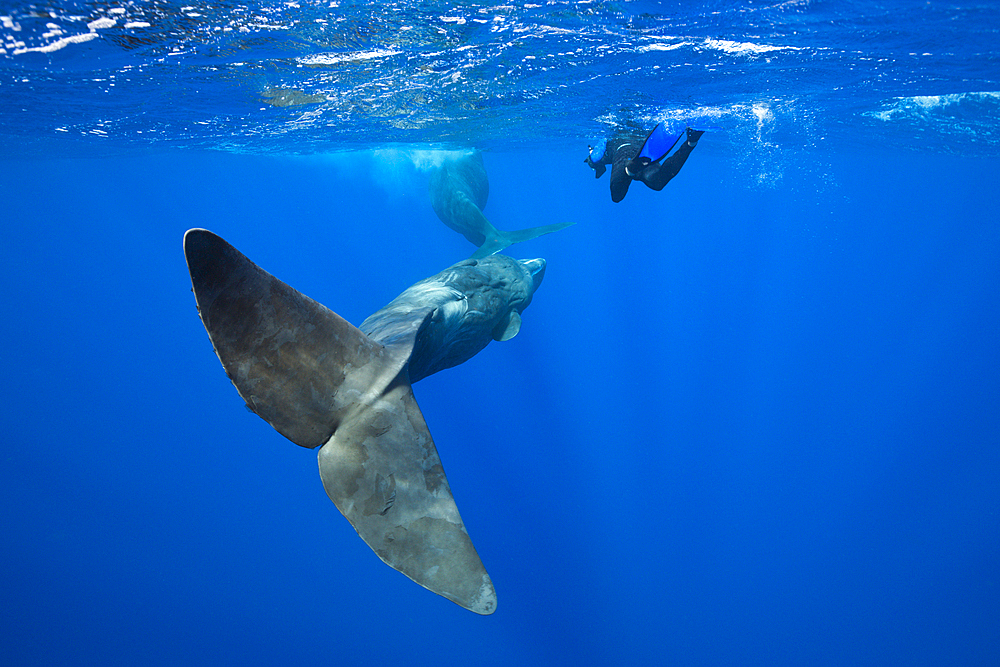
[(322, 382)]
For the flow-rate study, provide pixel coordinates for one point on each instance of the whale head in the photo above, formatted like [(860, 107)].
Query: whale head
[(536, 269)]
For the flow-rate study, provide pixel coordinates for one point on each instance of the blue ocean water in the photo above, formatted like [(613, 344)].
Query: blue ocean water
[(751, 419)]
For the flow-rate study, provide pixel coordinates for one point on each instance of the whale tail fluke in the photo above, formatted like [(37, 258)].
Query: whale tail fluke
[(266, 332), (503, 239), (321, 382)]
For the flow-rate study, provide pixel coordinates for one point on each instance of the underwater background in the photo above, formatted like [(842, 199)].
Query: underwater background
[(751, 419)]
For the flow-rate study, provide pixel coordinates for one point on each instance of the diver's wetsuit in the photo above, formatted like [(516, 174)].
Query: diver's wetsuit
[(621, 153)]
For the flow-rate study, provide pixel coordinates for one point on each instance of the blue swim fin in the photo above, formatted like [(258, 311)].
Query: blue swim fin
[(659, 142)]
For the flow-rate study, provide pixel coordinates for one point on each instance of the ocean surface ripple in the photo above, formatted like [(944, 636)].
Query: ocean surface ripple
[(307, 77)]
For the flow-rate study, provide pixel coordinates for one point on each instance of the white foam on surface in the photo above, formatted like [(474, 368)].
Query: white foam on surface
[(661, 46), (58, 44), (335, 58), (55, 30), (744, 48), (102, 23)]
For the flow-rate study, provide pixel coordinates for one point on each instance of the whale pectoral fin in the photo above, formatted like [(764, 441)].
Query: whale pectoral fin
[(508, 327), (383, 472), (286, 354)]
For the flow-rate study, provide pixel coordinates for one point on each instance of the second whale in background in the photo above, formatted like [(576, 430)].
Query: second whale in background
[(459, 189)]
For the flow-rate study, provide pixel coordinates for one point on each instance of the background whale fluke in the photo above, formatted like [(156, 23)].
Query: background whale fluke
[(459, 189)]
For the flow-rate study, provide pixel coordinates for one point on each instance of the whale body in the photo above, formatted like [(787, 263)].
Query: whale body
[(323, 383), (459, 190)]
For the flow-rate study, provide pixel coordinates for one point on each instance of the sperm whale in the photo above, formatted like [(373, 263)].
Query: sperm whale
[(324, 383)]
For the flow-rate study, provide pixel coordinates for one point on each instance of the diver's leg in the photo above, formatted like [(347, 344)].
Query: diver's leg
[(620, 178), (656, 175)]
